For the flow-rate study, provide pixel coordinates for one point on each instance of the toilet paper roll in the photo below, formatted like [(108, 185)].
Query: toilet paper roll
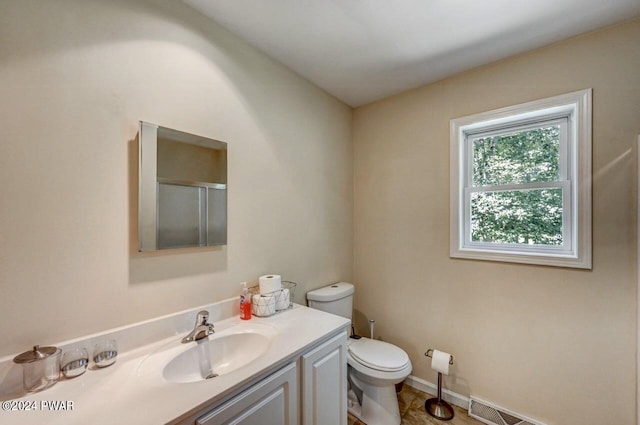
[(263, 305), (270, 283), (282, 299), (440, 361)]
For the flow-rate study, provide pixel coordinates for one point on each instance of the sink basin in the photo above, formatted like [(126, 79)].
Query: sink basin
[(219, 354), (208, 358)]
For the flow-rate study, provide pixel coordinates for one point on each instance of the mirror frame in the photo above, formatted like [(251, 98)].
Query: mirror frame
[(148, 180)]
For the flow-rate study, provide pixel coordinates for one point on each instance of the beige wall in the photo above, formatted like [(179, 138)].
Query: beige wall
[(75, 78), (557, 345)]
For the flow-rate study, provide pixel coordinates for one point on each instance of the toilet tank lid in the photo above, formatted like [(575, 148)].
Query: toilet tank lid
[(331, 293)]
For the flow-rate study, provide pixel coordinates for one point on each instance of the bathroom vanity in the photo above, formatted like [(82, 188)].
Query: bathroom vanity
[(274, 399), (298, 376)]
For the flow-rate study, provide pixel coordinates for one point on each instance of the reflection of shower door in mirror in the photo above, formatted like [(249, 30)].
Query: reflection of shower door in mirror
[(191, 214), (217, 215)]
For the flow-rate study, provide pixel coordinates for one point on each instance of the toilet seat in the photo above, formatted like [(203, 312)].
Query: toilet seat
[(378, 355)]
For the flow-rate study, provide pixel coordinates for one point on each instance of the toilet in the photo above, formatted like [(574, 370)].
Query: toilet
[(375, 367)]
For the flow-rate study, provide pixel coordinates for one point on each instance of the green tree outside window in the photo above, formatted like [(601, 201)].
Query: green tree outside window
[(526, 216)]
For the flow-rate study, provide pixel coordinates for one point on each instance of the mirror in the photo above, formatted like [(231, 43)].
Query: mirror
[(182, 193)]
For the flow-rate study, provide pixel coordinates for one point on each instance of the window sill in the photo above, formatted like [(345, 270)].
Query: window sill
[(547, 259)]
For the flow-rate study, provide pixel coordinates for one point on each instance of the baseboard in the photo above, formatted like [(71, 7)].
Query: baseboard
[(428, 387)]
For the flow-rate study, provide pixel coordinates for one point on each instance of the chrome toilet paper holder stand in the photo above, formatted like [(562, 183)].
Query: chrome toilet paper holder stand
[(437, 407)]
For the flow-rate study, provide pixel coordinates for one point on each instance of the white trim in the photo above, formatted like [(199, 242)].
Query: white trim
[(430, 388), (577, 254)]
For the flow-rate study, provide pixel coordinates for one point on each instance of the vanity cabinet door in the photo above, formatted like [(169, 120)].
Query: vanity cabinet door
[(272, 401), (324, 383)]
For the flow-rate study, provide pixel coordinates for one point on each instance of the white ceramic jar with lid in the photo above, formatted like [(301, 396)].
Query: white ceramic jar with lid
[(40, 367)]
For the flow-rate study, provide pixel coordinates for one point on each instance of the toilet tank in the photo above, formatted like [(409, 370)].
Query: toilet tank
[(335, 299)]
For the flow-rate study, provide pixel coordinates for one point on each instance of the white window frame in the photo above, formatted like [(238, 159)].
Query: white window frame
[(572, 110)]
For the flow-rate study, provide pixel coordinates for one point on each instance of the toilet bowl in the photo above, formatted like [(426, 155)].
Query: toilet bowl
[(375, 367)]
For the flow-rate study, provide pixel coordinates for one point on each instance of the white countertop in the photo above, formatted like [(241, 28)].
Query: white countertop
[(121, 394)]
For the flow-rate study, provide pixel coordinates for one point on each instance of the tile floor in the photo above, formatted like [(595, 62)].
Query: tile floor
[(411, 403)]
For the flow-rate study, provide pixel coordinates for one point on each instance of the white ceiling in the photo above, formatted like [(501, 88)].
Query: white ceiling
[(364, 50)]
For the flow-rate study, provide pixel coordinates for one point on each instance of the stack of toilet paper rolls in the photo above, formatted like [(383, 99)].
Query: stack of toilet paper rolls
[(272, 297)]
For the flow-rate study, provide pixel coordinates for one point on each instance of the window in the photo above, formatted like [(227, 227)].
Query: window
[(521, 183)]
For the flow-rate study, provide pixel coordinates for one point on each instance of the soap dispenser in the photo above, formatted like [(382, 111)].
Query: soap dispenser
[(245, 302)]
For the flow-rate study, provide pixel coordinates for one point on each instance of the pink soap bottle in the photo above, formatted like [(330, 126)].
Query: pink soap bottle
[(245, 302)]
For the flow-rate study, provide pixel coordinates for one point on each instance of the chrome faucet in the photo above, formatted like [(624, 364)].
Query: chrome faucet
[(202, 328)]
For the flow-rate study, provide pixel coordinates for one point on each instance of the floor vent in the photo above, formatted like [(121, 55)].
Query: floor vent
[(494, 415)]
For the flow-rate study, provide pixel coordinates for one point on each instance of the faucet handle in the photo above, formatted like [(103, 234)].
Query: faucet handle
[(202, 318), (202, 328)]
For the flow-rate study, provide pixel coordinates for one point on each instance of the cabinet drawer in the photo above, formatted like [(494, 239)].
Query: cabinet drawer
[(272, 401)]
